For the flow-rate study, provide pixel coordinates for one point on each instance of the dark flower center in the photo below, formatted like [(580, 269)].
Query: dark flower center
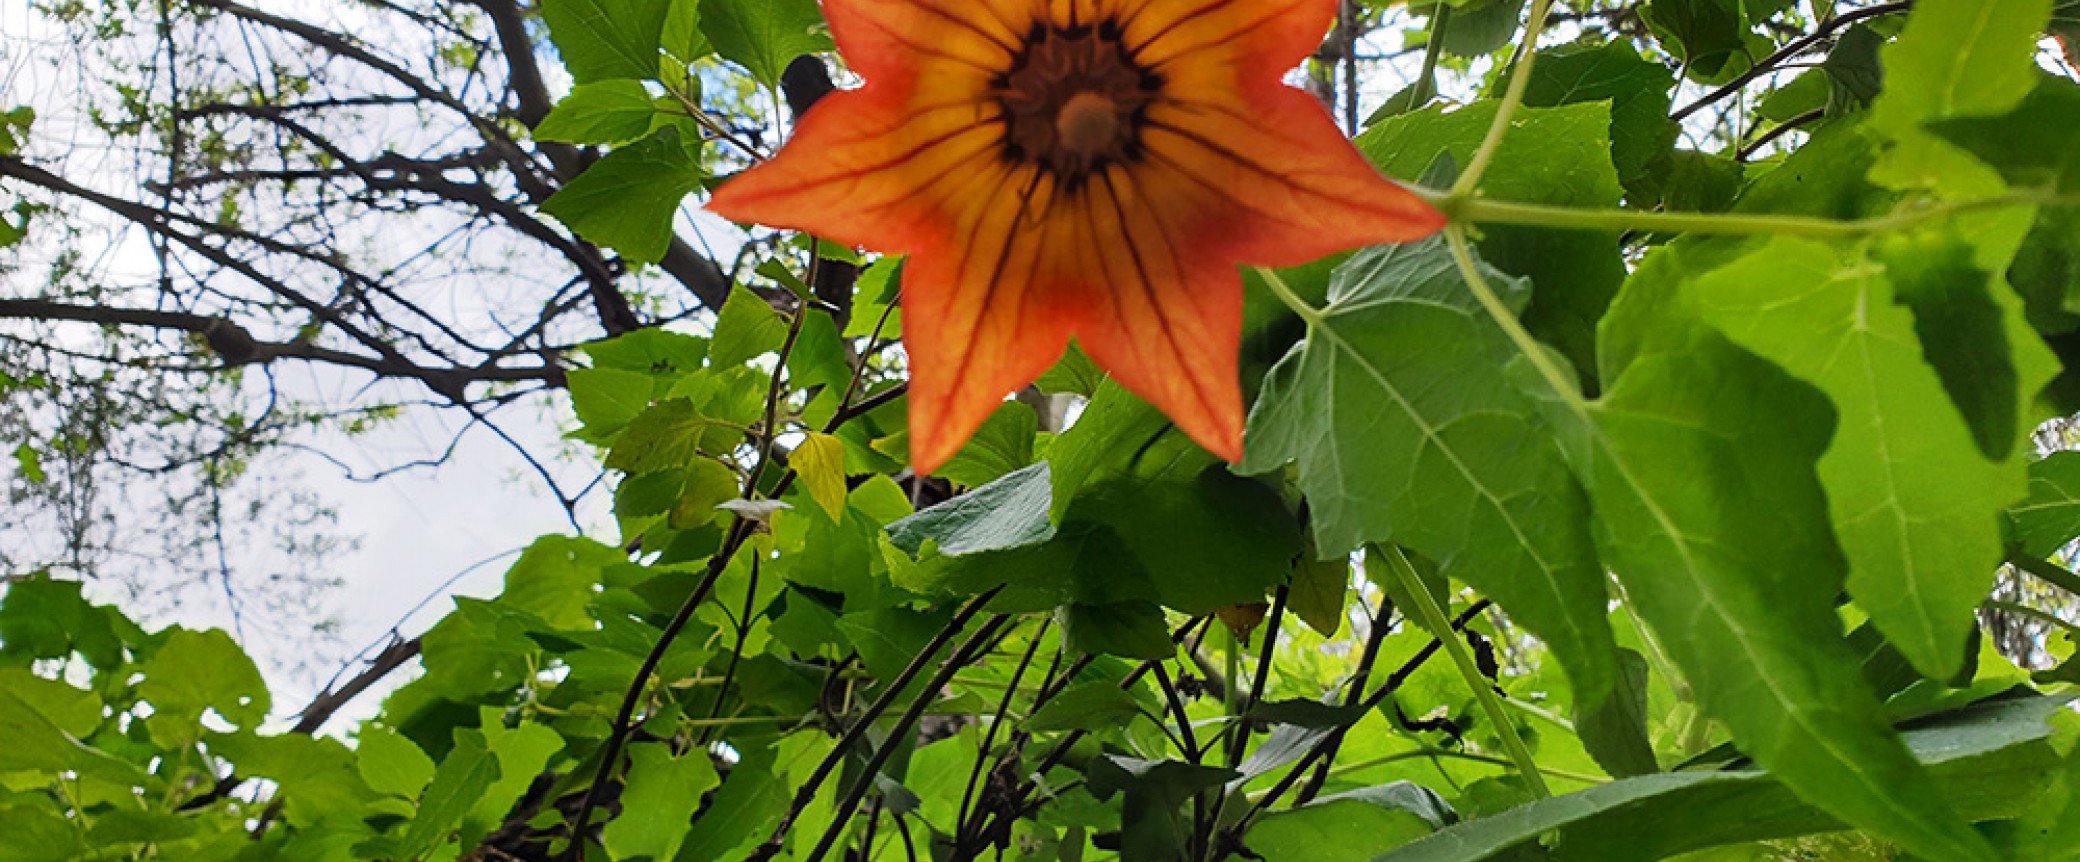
[(1074, 101)]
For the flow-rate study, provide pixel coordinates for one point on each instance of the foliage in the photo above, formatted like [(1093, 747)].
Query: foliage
[(1696, 465)]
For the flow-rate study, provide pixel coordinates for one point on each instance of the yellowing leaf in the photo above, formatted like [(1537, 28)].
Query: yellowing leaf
[(820, 461)]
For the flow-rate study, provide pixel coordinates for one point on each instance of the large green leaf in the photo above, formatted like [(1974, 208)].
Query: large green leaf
[(1913, 502), (626, 201), (1992, 760), (764, 35), (1407, 430), (1699, 462), (660, 790), (1637, 88), (195, 671), (602, 39), (1560, 156), (1956, 58)]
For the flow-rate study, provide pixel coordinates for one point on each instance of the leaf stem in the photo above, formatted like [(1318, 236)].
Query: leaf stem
[(2047, 571), (1520, 78), (1287, 295), (1463, 209), (1434, 619), (1563, 383)]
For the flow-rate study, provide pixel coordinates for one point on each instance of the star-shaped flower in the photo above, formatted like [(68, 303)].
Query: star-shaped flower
[(1092, 169)]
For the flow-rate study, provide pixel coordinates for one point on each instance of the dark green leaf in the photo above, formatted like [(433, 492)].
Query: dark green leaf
[(1095, 705), (627, 200), (601, 39), (1637, 89), (1129, 629), (764, 35), (1003, 444), (746, 327), (1010, 512)]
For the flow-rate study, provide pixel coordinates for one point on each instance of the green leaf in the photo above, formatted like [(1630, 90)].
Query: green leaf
[(391, 763), (1074, 372), (1407, 430), (746, 327), (1479, 27), (1155, 790), (1560, 156), (42, 618), (1956, 58), (1332, 830), (1637, 88), (607, 112), (764, 35), (743, 810), (317, 776), (601, 39), (2051, 517), (1094, 705), (1710, 37), (194, 671), (1008, 513), (35, 743), (1319, 589), (606, 399), (1003, 444), (1992, 759), (14, 128), (1908, 492), (1963, 333), (874, 297), (659, 792), (557, 577), (627, 200), (463, 777), (1128, 629), (1697, 449), (651, 351), (665, 436)]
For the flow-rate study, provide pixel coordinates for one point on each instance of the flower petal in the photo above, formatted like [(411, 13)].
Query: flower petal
[(1280, 186), (876, 175), (1172, 313), (1252, 38), (884, 39), (987, 312)]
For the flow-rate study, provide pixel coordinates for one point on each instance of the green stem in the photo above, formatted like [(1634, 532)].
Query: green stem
[(2047, 571), (1434, 619), (1520, 78), (1398, 756), (1287, 295), (1467, 209), (1563, 383), (2033, 613)]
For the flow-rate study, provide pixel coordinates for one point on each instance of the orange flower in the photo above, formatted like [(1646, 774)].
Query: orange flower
[(1085, 168)]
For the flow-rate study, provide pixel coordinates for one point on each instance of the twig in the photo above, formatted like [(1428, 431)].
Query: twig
[(1791, 49)]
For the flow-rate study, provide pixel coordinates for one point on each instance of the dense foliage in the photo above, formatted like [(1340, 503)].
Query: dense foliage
[(1650, 509)]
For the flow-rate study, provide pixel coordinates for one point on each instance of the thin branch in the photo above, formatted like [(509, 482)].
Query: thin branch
[(1791, 49)]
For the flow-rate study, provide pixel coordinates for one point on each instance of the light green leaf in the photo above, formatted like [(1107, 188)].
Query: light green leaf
[(764, 35), (607, 112), (602, 39), (1908, 492), (627, 200), (1407, 430), (555, 578), (665, 436), (195, 671), (391, 763), (1004, 443), (463, 777), (1696, 451), (1332, 830), (661, 791), (745, 327), (1956, 58)]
